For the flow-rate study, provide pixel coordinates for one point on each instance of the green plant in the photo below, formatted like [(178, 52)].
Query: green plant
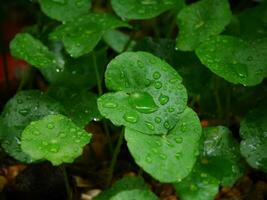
[(155, 88)]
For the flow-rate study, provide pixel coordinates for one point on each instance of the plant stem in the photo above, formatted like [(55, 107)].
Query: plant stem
[(114, 158), (25, 78), (217, 97), (66, 180), (99, 87)]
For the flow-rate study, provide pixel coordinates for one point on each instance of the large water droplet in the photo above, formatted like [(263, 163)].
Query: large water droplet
[(130, 117), (143, 102), (163, 99)]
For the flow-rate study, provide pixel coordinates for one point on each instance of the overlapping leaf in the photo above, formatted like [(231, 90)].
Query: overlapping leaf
[(65, 10), (55, 138), (254, 134), (162, 156), (143, 9), (201, 20), (234, 59), (80, 35), (24, 107), (149, 93)]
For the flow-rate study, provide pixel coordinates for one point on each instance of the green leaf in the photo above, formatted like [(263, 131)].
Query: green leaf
[(118, 40), (55, 138), (201, 20), (81, 71), (253, 131), (221, 156), (27, 48), (197, 186), (81, 34), (162, 156), (149, 93), (80, 106), (234, 59), (129, 188), (64, 10), (143, 9), (24, 107)]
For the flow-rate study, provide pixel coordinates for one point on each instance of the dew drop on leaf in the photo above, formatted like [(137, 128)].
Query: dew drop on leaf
[(163, 99), (156, 75), (130, 117), (150, 126), (110, 105), (143, 102), (158, 85), (178, 140)]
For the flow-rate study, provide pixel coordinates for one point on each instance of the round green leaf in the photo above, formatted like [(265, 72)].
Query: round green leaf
[(143, 9), (221, 156), (24, 107), (235, 60), (150, 94), (197, 186), (80, 106), (201, 20), (253, 131), (64, 10), (80, 35), (55, 138), (171, 157), (27, 48)]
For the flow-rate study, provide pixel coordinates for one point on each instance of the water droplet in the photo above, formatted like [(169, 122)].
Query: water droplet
[(157, 120), (158, 143), (166, 125), (163, 156), (178, 140), (147, 82), (178, 155), (50, 126), (193, 187), (130, 117), (140, 64), (170, 144), (77, 140), (203, 175), (19, 101), (152, 60), (44, 143), (54, 148), (156, 75), (148, 159), (183, 127), (250, 58), (163, 99), (171, 109), (174, 80), (24, 112), (110, 105), (158, 85), (62, 135), (150, 126), (36, 132), (155, 150), (143, 102)]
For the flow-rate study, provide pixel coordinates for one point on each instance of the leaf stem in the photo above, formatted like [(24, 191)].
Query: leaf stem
[(66, 180), (217, 97), (114, 158), (99, 87)]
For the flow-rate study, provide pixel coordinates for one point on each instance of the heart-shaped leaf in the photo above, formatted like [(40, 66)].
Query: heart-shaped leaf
[(198, 186), (55, 138), (234, 59), (143, 9), (81, 34), (80, 106), (201, 20), (24, 107), (129, 188), (253, 131), (27, 48), (149, 93), (171, 157), (64, 10)]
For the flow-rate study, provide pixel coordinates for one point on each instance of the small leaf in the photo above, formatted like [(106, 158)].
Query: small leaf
[(147, 89), (129, 188), (64, 10), (143, 9), (80, 106), (253, 131), (221, 156), (201, 20), (162, 156), (55, 138), (234, 59), (197, 186), (27, 48), (81, 34), (24, 107)]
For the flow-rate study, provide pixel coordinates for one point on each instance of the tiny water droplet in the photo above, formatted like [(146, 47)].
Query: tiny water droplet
[(50, 126), (110, 105), (148, 159), (36, 132), (170, 109), (193, 187), (130, 117), (158, 85), (178, 140), (157, 120), (178, 155), (158, 143), (44, 143), (156, 75), (140, 64), (163, 156), (19, 101), (163, 99), (24, 112), (166, 125), (183, 127), (150, 126)]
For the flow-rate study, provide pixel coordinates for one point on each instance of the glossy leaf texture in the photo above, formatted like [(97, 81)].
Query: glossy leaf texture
[(24, 107), (234, 59), (65, 10), (80, 35), (80, 105), (200, 21), (55, 138), (129, 188), (198, 186), (161, 156), (26, 47), (221, 156), (143, 9), (253, 130), (148, 93)]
